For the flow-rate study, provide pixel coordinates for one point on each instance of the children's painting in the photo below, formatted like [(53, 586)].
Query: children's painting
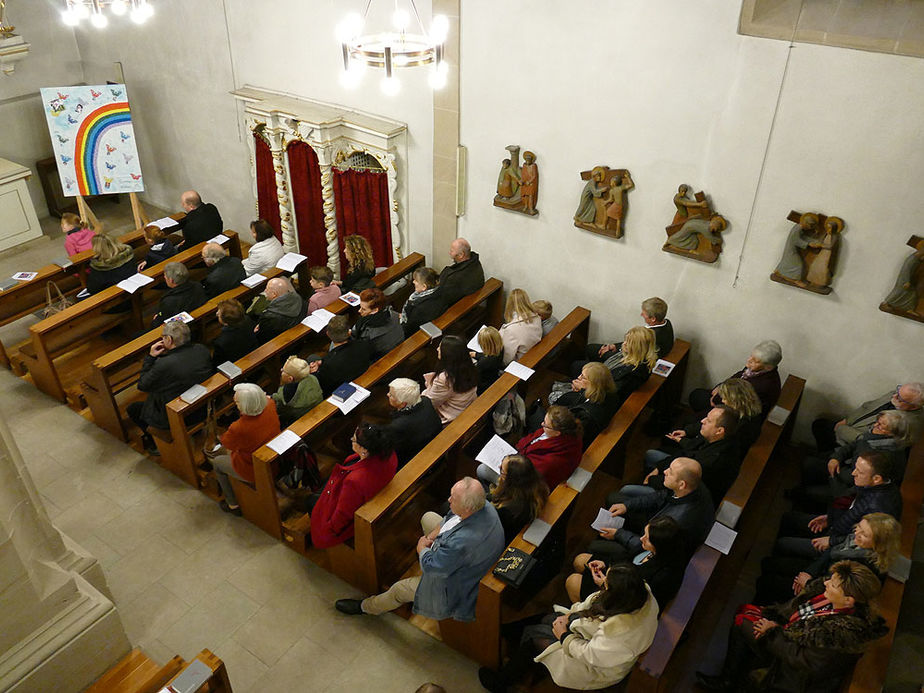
[(94, 143)]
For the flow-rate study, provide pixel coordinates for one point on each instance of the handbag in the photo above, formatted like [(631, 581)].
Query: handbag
[(514, 566), (211, 447), (53, 306)]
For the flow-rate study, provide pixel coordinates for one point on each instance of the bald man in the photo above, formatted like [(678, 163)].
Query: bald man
[(286, 309), (465, 276), (225, 271), (202, 221)]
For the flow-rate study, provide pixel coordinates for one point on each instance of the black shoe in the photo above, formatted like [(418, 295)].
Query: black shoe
[(228, 509), (713, 683), (351, 607), (150, 447), (492, 680)]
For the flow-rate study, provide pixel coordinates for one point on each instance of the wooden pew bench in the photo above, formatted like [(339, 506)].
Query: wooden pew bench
[(710, 575), (481, 639), (28, 297), (179, 448), (62, 346)]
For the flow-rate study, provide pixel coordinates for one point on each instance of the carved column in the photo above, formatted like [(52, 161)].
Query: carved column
[(277, 149), (330, 210)]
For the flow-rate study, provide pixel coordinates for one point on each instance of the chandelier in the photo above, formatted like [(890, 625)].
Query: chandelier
[(76, 10), (397, 47)]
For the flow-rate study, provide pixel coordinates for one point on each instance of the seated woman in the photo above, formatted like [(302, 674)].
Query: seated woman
[(353, 482), (810, 643), (112, 262), (159, 247), (633, 362), (592, 399), (874, 543), (266, 250), (490, 362), (360, 265), (522, 328), (592, 645), (518, 495), (661, 564), (236, 338), (298, 391), (760, 371), (455, 384), (258, 424), (377, 324), (424, 304), (78, 236)]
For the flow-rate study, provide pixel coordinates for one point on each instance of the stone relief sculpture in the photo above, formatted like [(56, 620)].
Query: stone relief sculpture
[(696, 230), (518, 186), (602, 205), (906, 295), (810, 252)]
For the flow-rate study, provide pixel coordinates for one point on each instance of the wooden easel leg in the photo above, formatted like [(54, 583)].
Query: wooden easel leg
[(141, 217), (87, 214)]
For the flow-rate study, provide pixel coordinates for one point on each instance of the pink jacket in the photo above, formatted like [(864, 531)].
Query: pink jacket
[(78, 241), (322, 298), (447, 402)]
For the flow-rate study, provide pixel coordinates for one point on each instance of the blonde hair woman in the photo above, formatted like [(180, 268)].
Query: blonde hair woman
[(741, 397), (112, 262), (490, 362), (633, 360), (360, 264), (522, 328), (593, 399)]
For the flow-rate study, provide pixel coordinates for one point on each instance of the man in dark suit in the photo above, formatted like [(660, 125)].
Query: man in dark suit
[(202, 221), (181, 295), (347, 358), (414, 421), (225, 271), (286, 308), (465, 276)]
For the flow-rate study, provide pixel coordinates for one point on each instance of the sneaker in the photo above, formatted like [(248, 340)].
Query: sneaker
[(351, 607)]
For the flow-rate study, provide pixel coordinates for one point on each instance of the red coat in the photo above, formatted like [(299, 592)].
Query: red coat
[(554, 458), (247, 435), (350, 485)]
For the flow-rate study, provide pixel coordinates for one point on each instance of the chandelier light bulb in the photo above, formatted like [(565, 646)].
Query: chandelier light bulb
[(350, 27), (439, 28), (400, 19), (70, 18), (99, 20), (119, 7), (390, 86), (81, 11)]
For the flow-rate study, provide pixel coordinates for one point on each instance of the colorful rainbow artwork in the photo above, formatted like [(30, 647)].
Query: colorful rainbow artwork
[(87, 145)]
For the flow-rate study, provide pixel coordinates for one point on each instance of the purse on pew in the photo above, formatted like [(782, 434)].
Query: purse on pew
[(514, 566), (303, 476), (54, 306), (212, 447)]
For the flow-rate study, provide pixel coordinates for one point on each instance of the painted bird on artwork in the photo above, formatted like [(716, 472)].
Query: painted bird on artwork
[(110, 166), (62, 139), (95, 94), (116, 92), (134, 177), (68, 183), (62, 96), (107, 182), (110, 149), (124, 136), (128, 157), (71, 120), (66, 159)]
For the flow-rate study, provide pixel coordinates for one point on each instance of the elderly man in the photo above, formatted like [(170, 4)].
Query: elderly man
[(414, 421), (908, 398), (654, 315), (465, 276), (181, 295), (345, 360), (760, 370), (285, 309), (454, 553), (172, 366), (225, 271), (202, 221)]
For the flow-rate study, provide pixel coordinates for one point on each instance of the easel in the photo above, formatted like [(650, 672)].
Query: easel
[(141, 217)]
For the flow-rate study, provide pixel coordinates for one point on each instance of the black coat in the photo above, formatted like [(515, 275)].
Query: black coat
[(357, 281), (201, 224), (489, 370), (664, 338), (342, 364), (282, 313), (169, 375), (382, 330), (694, 513), (97, 280), (411, 428), (234, 342), (159, 252), (461, 279), (185, 297), (885, 498), (720, 461), (223, 276), (594, 416), (425, 309)]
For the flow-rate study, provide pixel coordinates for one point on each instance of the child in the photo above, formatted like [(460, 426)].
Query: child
[(544, 310), (160, 247), (325, 292), (78, 234)]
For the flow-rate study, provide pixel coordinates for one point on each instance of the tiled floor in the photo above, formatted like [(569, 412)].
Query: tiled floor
[(185, 575)]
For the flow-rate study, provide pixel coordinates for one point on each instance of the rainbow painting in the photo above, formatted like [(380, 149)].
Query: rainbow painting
[(93, 138)]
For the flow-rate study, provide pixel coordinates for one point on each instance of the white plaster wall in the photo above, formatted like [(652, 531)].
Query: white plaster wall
[(669, 90), (53, 60)]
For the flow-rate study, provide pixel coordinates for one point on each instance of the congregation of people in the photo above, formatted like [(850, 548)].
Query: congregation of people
[(813, 611)]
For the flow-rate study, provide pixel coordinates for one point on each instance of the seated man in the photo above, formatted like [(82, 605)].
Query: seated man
[(202, 221), (684, 497), (172, 366), (908, 398), (454, 554), (465, 276), (285, 309), (325, 292), (346, 359), (181, 295), (225, 271), (414, 421), (654, 313)]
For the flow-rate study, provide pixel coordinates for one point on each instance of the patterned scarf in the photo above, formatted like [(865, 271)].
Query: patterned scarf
[(816, 606)]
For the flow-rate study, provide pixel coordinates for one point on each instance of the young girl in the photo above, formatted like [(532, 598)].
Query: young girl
[(159, 246), (78, 234)]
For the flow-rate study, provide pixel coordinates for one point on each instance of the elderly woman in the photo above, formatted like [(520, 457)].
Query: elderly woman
[(377, 324), (490, 362), (810, 643), (257, 425), (455, 385), (518, 494), (592, 399), (522, 328), (592, 645), (760, 371), (424, 304), (266, 250), (414, 421), (298, 391), (111, 263)]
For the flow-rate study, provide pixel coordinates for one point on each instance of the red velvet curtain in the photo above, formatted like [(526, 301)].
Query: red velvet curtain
[(305, 175), (267, 200), (361, 199)]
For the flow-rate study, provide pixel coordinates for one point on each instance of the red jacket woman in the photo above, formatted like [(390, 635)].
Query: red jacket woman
[(555, 448), (351, 484)]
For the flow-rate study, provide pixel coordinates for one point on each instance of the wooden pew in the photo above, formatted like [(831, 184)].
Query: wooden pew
[(179, 452), (710, 575), (117, 371), (259, 503), (29, 297), (72, 331), (481, 639)]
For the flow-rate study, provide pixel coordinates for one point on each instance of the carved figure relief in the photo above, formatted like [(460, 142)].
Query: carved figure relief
[(906, 296), (602, 205), (518, 186), (696, 231), (810, 252)]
